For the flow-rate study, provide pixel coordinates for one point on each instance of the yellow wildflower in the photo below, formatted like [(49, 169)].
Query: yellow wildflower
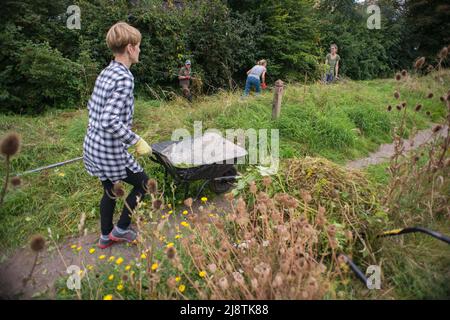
[(202, 274), (79, 248), (90, 267), (204, 199), (108, 297), (185, 224), (181, 288), (177, 279), (143, 256), (154, 266), (185, 212), (102, 257), (91, 250), (111, 277), (73, 246), (170, 245), (170, 212), (178, 236), (119, 287), (61, 174), (119, 261), (127, 268)]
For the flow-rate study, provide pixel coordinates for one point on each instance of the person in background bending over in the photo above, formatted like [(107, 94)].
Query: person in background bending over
[(332, 60), (254, 75), (185, 76)]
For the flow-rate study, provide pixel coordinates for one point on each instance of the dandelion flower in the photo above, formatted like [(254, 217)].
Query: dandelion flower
[(102, 257), (108, 297), (185, 224), (177, 279), (91, 250), (127, 268), (169, 206), (154, 266), (170, 245), (204, 199), (90, 267), (143, 256), (74, 246), (119, 261), (181, 288), (185, 212), (79, 248), (178, 236), (111, 258), (170, 212), (202, 274), (111, 277), (119, 287)]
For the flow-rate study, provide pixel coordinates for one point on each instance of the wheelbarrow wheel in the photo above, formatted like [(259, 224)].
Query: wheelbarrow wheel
[(221, 186)]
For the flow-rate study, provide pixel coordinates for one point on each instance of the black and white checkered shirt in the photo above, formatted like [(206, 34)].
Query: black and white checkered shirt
[(109, 132)]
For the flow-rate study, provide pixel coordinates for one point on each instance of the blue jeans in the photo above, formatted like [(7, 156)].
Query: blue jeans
[(329, 77), (252, 81)]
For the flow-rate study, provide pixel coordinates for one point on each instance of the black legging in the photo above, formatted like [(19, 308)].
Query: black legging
[(107, 204)]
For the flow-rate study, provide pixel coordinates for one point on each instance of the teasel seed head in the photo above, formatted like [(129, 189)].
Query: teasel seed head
[(157, 204), (399, 107), (16, 181), (419, 63), (10, 144), (443, 53), (188, 202), (389, 108), (430, 95), (37, 243), (152, 186), (418, 107), (118, 190), (397, 95), (404, 73), (437, 128), (398, 77)]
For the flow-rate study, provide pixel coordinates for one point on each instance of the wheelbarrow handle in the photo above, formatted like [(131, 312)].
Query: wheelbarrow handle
[(429, 232)]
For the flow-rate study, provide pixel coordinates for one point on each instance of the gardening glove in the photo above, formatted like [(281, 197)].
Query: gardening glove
[(142, 148)]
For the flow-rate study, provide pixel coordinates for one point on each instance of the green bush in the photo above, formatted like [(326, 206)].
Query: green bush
[(46, 78)]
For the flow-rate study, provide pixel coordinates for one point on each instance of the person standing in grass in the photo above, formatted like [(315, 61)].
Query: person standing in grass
[(109, 135), (332, 61), (256, 77), (184, 76)]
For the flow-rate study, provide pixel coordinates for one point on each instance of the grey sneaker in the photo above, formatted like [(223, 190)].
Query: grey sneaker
[(128, 235), (104, 243)]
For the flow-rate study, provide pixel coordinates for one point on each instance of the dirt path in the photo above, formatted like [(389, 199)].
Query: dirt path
[(385, 151), (52, 264)]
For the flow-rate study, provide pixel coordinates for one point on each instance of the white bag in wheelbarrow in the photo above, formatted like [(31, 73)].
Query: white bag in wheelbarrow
[(207, 149)]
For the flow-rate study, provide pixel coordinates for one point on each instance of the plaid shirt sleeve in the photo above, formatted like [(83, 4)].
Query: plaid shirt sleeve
[(110, 116)]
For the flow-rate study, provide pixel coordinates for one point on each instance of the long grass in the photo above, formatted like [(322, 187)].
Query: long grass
[(316, 120)]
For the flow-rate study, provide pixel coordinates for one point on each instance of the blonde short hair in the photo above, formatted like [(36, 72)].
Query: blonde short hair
[(120, 35), (334, 46), (262, 61)]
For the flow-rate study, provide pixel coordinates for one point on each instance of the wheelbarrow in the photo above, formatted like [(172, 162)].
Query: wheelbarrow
[(220, 175)]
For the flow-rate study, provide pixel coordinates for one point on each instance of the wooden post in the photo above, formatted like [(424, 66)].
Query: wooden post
[(277, 97)]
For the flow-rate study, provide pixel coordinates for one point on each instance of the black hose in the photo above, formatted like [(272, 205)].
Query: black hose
[(359, 274), (431, 233)]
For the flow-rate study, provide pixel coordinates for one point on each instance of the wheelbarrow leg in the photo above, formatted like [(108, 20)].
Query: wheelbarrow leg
[(200, 190), (186, 189)]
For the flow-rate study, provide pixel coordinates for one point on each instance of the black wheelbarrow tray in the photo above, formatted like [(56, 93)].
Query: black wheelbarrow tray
[(219, 176)]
